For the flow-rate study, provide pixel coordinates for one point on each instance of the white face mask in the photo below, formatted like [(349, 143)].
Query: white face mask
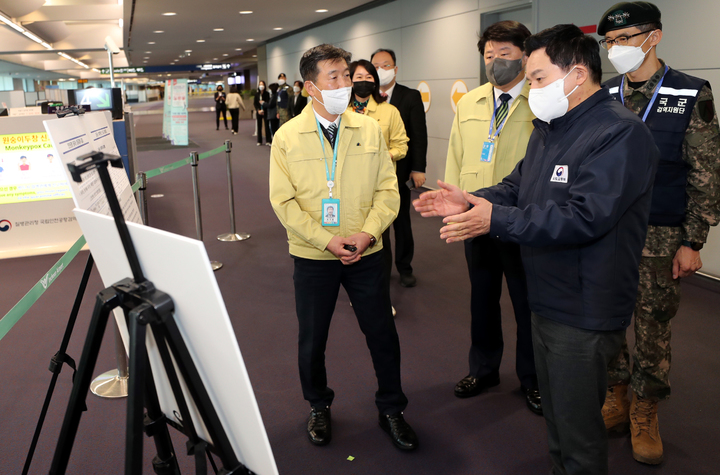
[(335, 100), (261, 87), (281, 82), (386, 76), (627, 59), (296, 89), (550, 102)]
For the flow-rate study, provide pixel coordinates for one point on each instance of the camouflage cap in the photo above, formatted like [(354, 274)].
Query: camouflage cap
[(627, 14)]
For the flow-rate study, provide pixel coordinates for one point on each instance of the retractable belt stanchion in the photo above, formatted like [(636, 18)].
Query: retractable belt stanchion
[(194, 160), (142, 197), (232, 235), (114, 383)]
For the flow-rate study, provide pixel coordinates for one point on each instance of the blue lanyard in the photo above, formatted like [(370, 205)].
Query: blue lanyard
[(330, 178), (655, 93), (491, 136)]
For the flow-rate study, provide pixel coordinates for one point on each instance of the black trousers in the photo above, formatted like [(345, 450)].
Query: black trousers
[(488, 259), (274, 125), (234, 118), (317, 284), (260, 120), (404, 243), (220, 109), (572, 375)]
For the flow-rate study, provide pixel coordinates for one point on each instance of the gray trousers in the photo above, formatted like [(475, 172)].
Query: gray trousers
[(571, 368)]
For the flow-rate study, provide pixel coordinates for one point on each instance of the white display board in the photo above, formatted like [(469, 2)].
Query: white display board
[(180, 267)]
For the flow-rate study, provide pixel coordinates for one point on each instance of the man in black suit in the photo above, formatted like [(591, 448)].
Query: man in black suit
[(297, 101), (409, 103)]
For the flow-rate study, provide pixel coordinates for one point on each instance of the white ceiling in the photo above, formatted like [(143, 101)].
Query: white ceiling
[(79, 28)]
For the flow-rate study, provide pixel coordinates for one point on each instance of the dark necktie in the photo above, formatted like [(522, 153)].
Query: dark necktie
[(502, 110), (330, 132)]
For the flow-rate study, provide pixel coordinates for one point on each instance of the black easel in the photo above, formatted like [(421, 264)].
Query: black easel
[(56, 363), (60, 358), (143, 305)]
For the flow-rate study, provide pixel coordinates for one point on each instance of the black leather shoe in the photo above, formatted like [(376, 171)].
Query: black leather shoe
[(319, 426), (408, 280), (471, 386), (402, 435), (532, 398)]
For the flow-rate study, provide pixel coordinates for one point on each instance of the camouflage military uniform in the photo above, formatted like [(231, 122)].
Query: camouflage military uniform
[(658, 296)]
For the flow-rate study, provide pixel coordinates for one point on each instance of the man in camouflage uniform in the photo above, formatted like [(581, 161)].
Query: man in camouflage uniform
[(680, 113)]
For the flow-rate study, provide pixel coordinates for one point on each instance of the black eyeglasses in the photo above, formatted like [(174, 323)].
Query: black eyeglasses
[(620, 40)]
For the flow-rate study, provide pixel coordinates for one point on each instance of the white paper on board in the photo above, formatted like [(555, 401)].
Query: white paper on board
[(78, 135), (180, 267)]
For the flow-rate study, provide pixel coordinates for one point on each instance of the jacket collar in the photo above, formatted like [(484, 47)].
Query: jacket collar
[(307, 122)]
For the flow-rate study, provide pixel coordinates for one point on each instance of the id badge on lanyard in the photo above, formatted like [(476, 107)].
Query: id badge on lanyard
[(489, 145), (330, 205)]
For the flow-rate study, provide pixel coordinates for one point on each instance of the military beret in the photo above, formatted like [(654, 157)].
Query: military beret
[(627, 14)]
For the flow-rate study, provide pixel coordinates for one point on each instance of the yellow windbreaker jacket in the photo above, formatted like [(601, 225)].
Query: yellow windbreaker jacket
[(365, 182), (463, 167), (392, 127)]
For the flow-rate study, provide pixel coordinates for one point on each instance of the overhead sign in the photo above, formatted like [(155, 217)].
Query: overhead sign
[(213, 67), (136, 69), (425, 94), (458, 90)]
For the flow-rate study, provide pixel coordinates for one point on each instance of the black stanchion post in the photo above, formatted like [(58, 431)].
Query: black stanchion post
[(142, 197), (232, 236), (194, 160)]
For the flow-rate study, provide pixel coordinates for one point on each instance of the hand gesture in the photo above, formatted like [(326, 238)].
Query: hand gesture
[(448, 200), (469, 224)]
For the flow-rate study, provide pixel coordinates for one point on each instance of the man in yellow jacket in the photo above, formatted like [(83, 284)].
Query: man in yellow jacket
[(489, 136), (330, 158)]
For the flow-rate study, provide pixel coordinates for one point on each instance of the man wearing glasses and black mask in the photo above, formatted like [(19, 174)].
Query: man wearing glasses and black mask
[(678, 109)]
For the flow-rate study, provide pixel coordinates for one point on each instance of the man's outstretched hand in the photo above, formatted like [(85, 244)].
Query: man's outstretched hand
[(448, 200)]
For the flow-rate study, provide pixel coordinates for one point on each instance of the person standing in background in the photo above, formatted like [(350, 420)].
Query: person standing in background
[(368, 100), (220, 107), (234, 102), (489, 136), (272, 112), (409, 103), (283, 100), (262, 97), (679, 111), (298, 101)]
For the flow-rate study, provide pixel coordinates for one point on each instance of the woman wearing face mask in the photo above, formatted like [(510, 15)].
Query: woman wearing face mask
[(272, 113), (298, 101), (234, 102), (367, 100), (220, 107), (262, 98)]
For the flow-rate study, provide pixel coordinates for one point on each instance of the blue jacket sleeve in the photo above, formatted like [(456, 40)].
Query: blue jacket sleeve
[(618, 170)]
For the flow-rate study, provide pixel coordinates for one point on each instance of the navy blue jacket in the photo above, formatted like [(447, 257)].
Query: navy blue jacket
[(578, 204)]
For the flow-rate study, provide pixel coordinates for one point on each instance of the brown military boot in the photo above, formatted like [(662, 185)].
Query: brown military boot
[(644, 432), (616, 410)]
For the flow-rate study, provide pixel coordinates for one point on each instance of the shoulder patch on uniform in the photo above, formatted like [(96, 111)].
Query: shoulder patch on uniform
[(706, 110)]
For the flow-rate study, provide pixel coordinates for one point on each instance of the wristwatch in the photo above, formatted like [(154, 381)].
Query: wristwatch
[(695, 246), (373, 241)]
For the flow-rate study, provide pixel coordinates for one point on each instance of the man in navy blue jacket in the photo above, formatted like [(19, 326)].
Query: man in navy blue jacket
[(578, 205)]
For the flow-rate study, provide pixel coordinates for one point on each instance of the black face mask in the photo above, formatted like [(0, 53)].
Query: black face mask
[(363, 88)]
